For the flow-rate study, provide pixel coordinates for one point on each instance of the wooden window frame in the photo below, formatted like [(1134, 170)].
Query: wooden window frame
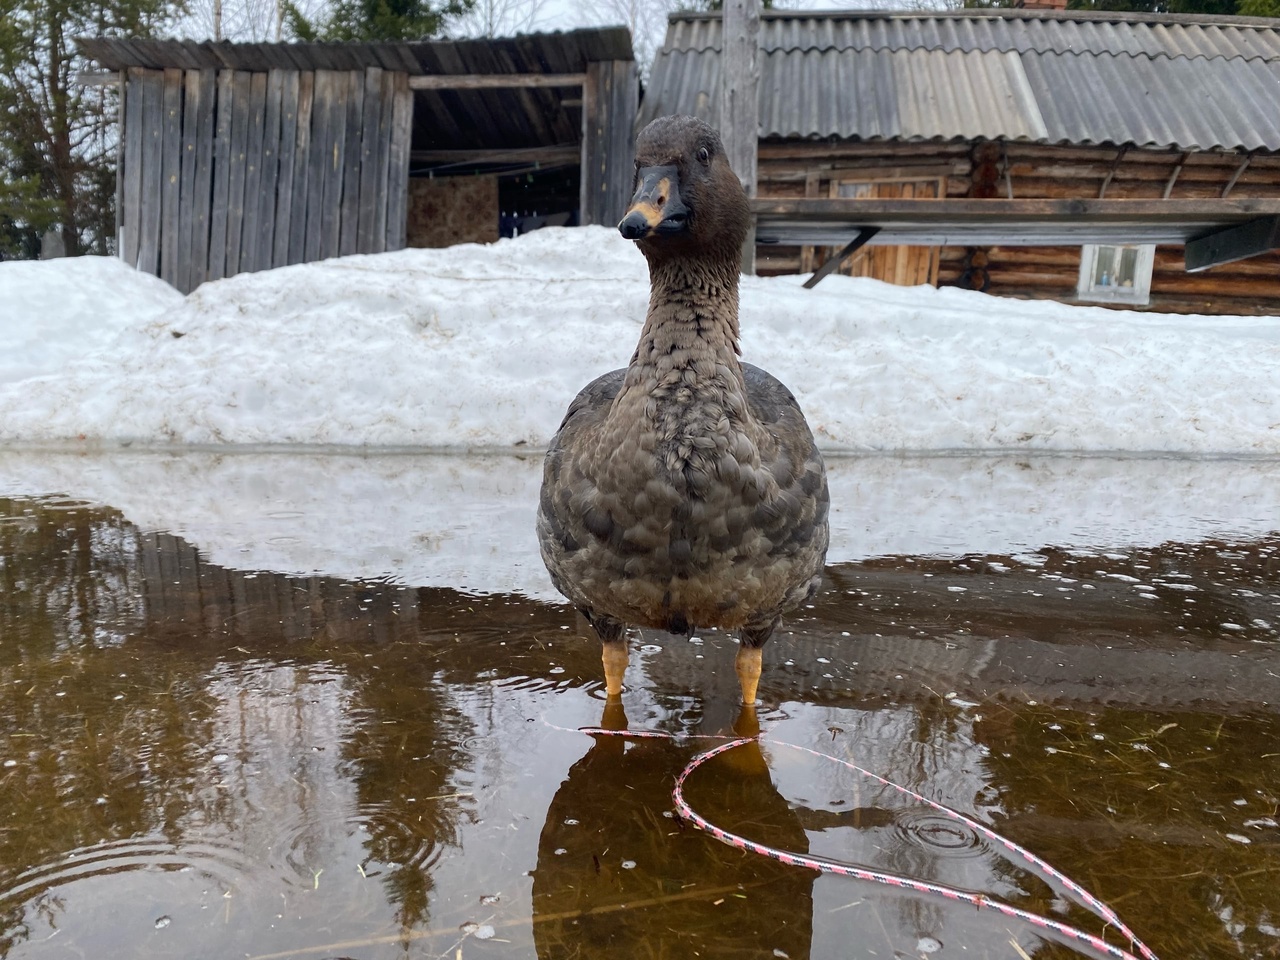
[(1138, 295)]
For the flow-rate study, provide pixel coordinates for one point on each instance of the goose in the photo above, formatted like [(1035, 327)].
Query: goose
[(685, 491)]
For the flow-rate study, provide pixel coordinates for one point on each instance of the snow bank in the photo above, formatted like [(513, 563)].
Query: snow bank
[(54, 311), (482, 348)]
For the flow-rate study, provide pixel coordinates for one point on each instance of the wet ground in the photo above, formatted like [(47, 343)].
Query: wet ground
[(233, 759)]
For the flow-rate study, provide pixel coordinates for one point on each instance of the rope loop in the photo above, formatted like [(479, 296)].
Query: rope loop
[(1072, 936)]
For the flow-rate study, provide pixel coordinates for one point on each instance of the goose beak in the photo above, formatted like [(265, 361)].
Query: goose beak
[(656, 208)]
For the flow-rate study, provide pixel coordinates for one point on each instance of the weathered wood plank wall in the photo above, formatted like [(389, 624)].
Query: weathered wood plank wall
[(224, 172), (1037, 171), (610, 102)]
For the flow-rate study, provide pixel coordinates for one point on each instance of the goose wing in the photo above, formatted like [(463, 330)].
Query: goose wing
[(559, 532), (796, 520)]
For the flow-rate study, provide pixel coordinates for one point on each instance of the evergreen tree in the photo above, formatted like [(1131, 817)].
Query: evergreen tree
[(57, 136), (376, 20)]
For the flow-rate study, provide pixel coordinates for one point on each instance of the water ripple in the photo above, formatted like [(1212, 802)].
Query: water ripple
[(939, 834), (226, 865)]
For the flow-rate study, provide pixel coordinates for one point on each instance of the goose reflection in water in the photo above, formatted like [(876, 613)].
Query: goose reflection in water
[(619, 876)]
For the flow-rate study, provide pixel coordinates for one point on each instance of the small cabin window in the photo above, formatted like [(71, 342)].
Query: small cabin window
[(1116, 274)]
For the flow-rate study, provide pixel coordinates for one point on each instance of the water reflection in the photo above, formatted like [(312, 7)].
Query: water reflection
[(175, 731), (618, 875), (202, 761)]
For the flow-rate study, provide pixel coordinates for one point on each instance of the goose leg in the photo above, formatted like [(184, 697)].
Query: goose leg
[(750, 657), (614, 655), (613, 651), (749, 666)]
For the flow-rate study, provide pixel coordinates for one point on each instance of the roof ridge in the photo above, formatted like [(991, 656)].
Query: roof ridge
[(802, 35), (1006, 13)]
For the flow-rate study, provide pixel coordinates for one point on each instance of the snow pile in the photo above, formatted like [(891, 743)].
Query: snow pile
[(483, 347), (57, 310)]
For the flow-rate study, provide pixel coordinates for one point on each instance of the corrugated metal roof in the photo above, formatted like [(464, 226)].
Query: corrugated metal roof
[(444, 119), (986, 30), (1196, 83)]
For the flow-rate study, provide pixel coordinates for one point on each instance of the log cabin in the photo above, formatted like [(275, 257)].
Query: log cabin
[(1013, 104)]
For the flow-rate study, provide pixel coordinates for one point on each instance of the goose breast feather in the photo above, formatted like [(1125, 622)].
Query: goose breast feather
[(630, 531)]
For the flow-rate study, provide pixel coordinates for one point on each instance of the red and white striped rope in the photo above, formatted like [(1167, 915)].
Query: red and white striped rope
[(1054, 928)]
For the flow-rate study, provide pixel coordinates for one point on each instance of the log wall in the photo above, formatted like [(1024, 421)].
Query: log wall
[(1033, 171), (226, 172)]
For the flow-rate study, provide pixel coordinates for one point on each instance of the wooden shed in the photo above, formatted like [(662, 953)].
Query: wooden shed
[(243, 157), (1142, 118)]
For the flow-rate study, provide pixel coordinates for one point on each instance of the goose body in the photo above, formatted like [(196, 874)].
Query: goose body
[(686, 490)]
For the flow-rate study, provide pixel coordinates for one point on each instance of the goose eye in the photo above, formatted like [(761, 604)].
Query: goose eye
[(704, 155)]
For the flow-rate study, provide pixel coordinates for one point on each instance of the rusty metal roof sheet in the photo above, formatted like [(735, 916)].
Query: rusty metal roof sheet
[(1196, 83)]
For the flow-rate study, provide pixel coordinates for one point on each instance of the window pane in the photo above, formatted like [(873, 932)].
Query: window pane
[(1104, 267), (1127, 272)]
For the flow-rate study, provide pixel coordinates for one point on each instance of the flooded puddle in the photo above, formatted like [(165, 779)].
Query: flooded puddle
[(327, 707)]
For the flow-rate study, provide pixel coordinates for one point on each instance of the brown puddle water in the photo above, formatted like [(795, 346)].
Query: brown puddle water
[(202, 762)]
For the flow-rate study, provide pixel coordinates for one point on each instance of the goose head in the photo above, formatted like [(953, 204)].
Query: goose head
[(687, 202)]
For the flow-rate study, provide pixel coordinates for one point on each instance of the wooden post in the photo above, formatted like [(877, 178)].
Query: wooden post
[(739, 106), (121, 165)]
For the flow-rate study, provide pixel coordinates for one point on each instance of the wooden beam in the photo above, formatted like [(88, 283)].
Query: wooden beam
[(739, 105), (1233, 243), (495, 81), (849, 249), (555, 153), (965, 222)]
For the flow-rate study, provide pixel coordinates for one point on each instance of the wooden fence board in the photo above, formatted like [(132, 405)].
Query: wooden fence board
[(609, 103), (302, 151), (171, 172), (369, 158), (335, 155), (221, 177), (152, 142), (270, 172), (122, 82), (386, 109), (251, 229), (131, 210), (187, 178), (351, 169), (200, 212), (316, 163), (289, 102), (397, 199), (239, 156)]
